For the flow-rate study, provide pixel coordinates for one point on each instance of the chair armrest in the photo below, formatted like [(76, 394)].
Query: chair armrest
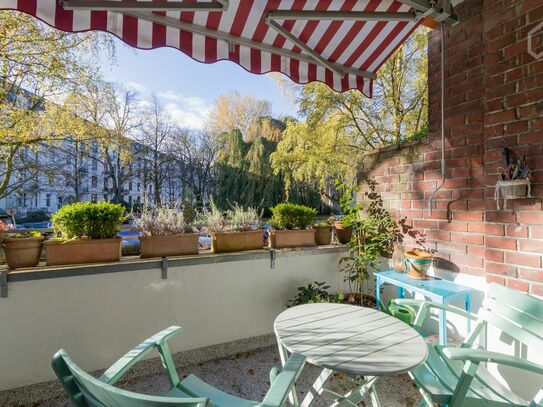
[(121, 366), (478, 356), (284, 381), (424, 307)]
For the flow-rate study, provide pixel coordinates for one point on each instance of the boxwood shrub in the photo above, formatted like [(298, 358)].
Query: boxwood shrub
[(292, 216), (101, 220)]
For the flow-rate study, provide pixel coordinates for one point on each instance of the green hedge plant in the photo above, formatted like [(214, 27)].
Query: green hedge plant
[(101, 220), (288, 215)]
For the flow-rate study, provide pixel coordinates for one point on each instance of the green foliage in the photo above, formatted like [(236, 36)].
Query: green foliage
[(312, 292), (101, 220), (350, 209), (321, 225), (236, 219), (36, 216), (23, 235), (373, 237), (288, 215)]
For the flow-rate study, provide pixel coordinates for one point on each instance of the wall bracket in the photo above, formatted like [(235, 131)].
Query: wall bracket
[(273, 256), (164, 268), (3, 284)]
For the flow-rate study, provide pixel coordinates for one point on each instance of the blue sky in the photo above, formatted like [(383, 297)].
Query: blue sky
[(188, 88)]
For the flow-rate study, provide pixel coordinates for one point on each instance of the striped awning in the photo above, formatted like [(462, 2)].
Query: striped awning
[(339, 42)]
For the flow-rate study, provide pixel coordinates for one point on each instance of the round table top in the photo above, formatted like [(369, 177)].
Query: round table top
[(350, 339)]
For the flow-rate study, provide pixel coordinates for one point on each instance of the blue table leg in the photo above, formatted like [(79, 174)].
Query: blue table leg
[(468, 310), (377, 293), (442, 327), (401, 292)]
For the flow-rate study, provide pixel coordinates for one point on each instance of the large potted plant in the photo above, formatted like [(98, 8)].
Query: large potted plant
[(164, 232), (290, 224), (234, 230), (86, 233), (21, 249)]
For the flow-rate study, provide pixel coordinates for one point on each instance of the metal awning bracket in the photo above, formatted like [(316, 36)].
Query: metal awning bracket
[(127, 5)]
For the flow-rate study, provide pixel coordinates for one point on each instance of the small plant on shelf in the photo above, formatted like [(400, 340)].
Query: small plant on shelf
[(290, 224), (86, 233)]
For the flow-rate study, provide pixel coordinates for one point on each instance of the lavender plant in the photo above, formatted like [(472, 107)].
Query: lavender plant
[(162, 221), (236, 219)]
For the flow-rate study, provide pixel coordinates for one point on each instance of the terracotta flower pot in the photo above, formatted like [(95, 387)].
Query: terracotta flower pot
[(419, 262), (323, 236), (22, 252), (163, 246), (226, 242), (292, 238), (81, 251), (343, 233)]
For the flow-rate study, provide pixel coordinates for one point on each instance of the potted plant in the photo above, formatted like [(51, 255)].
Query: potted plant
[(374, 235), (290, 224), (86, 233), (164, 231), (21, 249), (323, 233), (343, 226), (235, 230)]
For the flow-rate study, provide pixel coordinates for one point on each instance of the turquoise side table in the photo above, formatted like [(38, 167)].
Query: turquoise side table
[(437, 290)]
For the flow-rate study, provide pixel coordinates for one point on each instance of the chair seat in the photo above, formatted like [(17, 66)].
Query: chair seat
[(193, 386), (439, 377)]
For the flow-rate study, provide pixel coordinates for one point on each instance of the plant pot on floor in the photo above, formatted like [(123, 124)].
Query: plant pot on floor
[(323, 236), (22, 252), (343, 234), (280, 239), (227, 242), (418, 262), (81, 251), (164, 246)]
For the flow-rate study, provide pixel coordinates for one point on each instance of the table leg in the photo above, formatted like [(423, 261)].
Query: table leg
[(378, 293), (468, 310), (353, 397), (317, 388), (401, 292), (442, 327), (283, 354)]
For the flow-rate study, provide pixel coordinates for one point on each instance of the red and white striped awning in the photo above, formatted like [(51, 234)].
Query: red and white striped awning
[(339, 42)]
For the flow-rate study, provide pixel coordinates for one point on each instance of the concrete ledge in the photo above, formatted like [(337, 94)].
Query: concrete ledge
[(39, 392), (128, 264)]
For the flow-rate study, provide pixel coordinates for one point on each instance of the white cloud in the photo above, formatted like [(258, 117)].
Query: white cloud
[(187, 111), (135, 86)]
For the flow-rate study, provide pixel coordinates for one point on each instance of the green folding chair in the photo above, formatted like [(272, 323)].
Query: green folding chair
[(85, 390), (454, 376)]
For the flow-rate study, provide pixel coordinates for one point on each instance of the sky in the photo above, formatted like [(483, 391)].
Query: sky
[(188, 88)]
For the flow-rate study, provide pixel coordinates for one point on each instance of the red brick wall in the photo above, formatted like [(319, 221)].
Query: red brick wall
[(494, 97)]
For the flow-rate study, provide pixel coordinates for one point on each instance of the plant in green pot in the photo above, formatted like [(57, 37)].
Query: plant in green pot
[(164, 231), (21, 249), (234, 230), (86, 233), (291, 226)]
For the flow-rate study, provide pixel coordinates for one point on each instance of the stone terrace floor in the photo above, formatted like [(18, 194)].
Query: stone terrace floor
[(246, 375)]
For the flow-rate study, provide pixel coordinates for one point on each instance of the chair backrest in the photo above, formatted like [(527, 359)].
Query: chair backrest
[(518, 315), (87, 391)]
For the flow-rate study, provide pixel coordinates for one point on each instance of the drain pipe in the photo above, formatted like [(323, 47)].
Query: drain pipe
[(431, 198)]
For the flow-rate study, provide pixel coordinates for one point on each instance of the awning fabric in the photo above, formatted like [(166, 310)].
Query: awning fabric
[(339, 42)]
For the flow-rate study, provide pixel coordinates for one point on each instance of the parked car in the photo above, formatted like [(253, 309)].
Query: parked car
[(130, 247)]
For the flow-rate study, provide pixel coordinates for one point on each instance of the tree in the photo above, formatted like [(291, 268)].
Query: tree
[(39, 67), (234, 111), (341, 127), (155, 137)]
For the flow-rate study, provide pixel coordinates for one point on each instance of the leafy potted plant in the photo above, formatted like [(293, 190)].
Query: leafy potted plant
[(235, 230), (374, 235), (323, 233), (312, 292), (21, 249), (86, 233), (164, 231), (349, 209), (290, 224)]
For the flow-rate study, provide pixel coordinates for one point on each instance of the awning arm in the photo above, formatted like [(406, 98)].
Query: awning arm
[(126, 5), (231, 39), (340, 15)]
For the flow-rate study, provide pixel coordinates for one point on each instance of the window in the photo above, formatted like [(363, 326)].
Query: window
[(105, 182), (48, 200), (130, 199), (139, 186), (138, 200), (130, 186), (59, 202), (94, 198), (94, 182), (35, 200), (94, 164)]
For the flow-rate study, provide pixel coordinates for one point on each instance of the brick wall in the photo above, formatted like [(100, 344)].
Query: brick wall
[(494, 98)]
